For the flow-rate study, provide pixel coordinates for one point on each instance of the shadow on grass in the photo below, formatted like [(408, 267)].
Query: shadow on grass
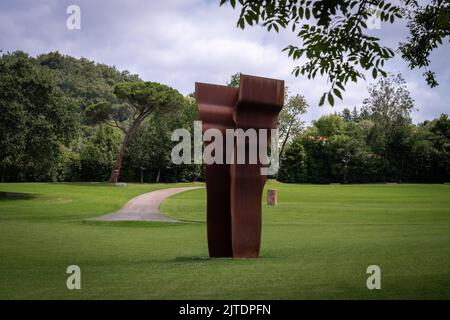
[(133, 224), (109, 184), (192, 259), (197, 259), (184, 220), (17, 196), (87, 184)]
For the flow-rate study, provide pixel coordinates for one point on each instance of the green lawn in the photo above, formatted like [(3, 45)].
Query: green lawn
[(316, 244)]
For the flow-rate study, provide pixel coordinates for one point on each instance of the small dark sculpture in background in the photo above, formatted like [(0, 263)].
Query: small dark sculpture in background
[(234, 191)]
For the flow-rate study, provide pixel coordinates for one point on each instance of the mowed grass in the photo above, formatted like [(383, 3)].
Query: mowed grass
[(316, 244)]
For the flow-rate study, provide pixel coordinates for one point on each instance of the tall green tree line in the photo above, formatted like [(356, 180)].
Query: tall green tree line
[(377, 143), (47, 132), (54, 117)]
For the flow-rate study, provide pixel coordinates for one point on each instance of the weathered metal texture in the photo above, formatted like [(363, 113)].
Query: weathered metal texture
[(272, 197), (260, 101), (234, 192), (215, 105)]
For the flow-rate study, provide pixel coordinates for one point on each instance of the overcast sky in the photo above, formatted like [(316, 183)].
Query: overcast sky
[(178, 42)]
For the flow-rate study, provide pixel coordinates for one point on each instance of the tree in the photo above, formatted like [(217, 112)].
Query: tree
[(389, 107), (429, 25), (151, 148), (235, 80), (138, 101), (331, 150), (329, 125), (83, 80), (36, 120), (440, 139), (337, 42), (289, 123), (292, 167), (98, 153)]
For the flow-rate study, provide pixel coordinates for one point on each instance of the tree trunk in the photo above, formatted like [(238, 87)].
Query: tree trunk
[(118, 164), (126, 141), (142, 175), (283, 145), (158, 175), (385, 157)]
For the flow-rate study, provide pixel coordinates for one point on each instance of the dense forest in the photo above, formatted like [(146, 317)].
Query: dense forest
[(377, 143), (45, 136), (46, 133)]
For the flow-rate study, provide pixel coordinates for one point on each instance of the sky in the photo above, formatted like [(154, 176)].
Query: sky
[(179, 42)]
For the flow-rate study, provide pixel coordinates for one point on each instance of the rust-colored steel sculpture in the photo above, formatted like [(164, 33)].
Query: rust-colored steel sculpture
[(215, 106), (260, 101), (234, 192)]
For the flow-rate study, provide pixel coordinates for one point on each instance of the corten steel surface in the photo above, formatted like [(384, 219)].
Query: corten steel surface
[(234, 192), (215, 104), (260, 100)]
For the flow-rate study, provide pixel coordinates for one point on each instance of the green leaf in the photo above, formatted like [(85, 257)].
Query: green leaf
[(307, 13), (374, 73), (322, 100), (249, 20), (330, 99), (337, 93), (339, 84), (241, 23)]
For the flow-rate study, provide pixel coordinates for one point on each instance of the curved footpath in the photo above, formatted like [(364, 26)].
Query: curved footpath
[(145, 207)]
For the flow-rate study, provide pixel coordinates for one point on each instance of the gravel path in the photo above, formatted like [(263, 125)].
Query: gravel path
[(145, 207)]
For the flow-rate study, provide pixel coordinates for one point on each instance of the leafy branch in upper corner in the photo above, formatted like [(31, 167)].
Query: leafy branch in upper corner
[(429, 26), (333, 36)]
